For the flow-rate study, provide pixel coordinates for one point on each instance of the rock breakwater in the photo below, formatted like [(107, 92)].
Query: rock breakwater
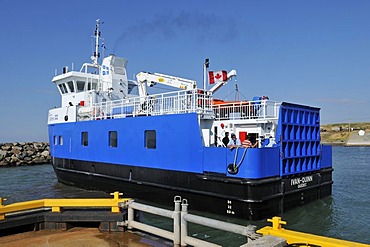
[(24, 153)]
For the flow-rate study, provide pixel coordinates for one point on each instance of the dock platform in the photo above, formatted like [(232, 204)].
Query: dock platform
[(111, 222)]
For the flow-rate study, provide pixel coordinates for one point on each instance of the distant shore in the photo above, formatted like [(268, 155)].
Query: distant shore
[(352, 139), (334, 143), (24, 153)]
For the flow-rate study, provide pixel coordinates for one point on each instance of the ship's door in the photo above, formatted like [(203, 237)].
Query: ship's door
[(68, 148)]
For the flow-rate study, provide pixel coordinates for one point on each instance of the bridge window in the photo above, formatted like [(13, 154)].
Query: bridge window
[(63, 88), (71, 86), (113, 139), (80, 86), (84, 139), (150, 139)]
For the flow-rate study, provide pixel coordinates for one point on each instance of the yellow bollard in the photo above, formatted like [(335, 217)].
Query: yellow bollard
[(276, 223), (116, 194), (1, 201), (2, 216)]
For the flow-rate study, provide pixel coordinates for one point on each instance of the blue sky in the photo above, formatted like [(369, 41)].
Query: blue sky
[(310, 52)]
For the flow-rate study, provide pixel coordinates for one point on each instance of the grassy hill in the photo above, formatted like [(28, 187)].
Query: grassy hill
[(340, 132)]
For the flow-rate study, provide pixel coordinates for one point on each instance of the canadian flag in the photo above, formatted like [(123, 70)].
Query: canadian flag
[(217, 76)]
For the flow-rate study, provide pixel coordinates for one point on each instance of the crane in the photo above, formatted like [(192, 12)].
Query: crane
[(149, 79)]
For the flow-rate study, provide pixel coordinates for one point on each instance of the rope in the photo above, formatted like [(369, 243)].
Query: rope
[(236, 166)]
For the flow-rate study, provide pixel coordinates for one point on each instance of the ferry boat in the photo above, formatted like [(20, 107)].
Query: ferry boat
[(110, 134)]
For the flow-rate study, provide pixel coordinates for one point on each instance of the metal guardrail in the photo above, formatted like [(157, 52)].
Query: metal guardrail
[(273, 235), (258, 109), (181, 218), (156, 104), (57, 204), (178, 102), (179, 236)]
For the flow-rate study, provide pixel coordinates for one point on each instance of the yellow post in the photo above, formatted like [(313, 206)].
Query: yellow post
[(292, 237), (55, 209), (116, 194), (276, 222), (2, 216)]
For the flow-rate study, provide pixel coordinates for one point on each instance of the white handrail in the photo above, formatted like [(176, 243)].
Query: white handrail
[(180, 221), (184, 101)]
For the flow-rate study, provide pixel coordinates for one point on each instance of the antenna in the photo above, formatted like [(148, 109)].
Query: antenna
[(205, 67), (236, 92), (96, 54)]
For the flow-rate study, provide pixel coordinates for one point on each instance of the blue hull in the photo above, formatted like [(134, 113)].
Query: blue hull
[(181, 165)]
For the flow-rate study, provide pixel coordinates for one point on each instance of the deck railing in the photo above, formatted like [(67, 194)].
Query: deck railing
[(179, 102), (260, 109)]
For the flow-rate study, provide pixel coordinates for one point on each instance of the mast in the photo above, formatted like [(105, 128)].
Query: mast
[(96, 54)]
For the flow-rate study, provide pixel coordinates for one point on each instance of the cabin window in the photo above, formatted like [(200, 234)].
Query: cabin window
[(84, 139), (55, 140), (80, 86), (150, 139), (113, 139), (60, 140), (71, 86), (92, 85), (63, 88)]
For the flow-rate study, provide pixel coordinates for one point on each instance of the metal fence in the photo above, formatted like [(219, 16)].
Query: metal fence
[(179, 235), (157, 104), (260, 109), (179, 102)]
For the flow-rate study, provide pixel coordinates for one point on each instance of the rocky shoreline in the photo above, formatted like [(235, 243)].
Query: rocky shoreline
[(24, 153)]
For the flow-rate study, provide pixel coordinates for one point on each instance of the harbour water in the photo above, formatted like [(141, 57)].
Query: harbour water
[(344, 215)]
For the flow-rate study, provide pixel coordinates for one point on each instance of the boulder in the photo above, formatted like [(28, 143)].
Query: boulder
[(16, 150), (6, 147), (3, 154), (13, 159), (45, 153)]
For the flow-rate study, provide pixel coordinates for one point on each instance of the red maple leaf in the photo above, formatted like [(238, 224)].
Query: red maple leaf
[(218, 76)]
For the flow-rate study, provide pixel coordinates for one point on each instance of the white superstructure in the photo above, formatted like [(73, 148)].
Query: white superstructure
[(103, 91)]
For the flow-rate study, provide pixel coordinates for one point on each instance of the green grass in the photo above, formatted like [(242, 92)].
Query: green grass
[(330, 132)]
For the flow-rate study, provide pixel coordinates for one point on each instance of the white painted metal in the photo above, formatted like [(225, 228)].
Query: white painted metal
[(180, 223), (175, 215), (103, 91), (148, 79)]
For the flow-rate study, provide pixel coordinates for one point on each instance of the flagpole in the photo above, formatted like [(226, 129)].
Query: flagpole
[(205, 67)]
